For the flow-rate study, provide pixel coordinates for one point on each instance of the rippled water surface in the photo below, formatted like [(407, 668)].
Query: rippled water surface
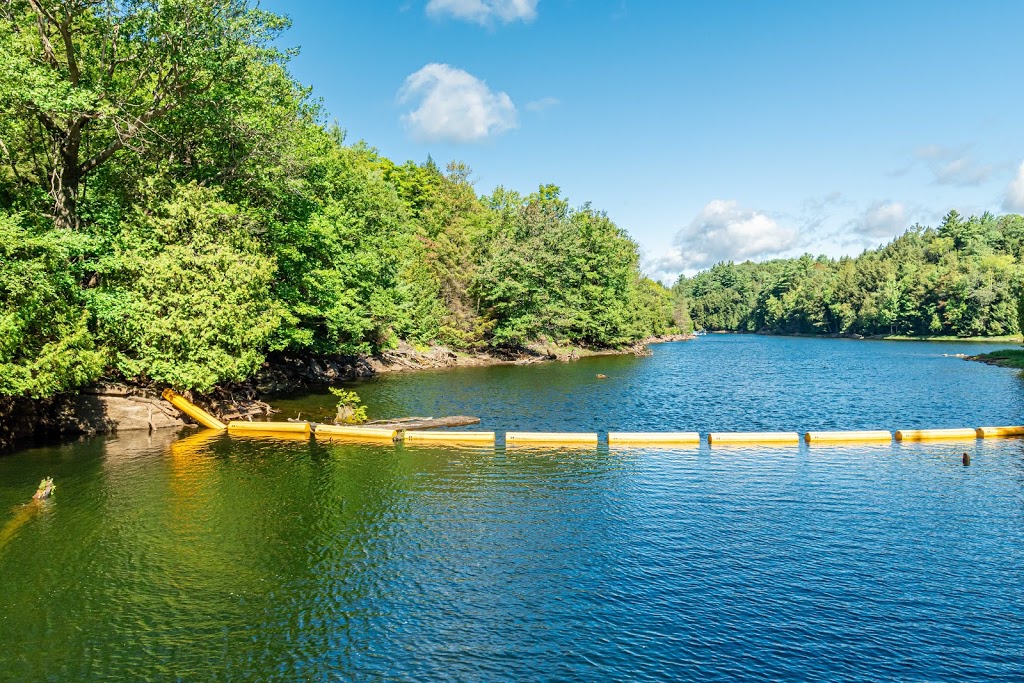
[(209, 557)]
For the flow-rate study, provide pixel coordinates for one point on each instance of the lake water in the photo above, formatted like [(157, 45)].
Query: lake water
[(207, 557)]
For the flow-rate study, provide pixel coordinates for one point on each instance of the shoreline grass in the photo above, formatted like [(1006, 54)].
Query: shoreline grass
[(1008, 338), (1006, 358)]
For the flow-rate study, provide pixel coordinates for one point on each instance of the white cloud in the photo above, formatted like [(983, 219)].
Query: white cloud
[(454, 106), (950, 166), (882, 219), (929, 152), (542, 104), (722, 231), (1014, 200), (962, 172), (664, 267), (484, 12)]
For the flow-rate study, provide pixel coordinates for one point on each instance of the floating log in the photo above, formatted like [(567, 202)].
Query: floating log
[(411, 423)]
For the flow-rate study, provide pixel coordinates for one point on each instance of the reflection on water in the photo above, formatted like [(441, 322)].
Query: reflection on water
[(205, 557), (716, 383)]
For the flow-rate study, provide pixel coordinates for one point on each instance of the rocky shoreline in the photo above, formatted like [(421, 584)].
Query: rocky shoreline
[(110, 407)]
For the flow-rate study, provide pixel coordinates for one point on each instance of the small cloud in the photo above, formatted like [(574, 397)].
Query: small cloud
[(949, 166), (722, 231), (1014, 200), (962, 172), (882, 219), (454, 106), (816, 211), (930, 152), (542, 104), (484, 12)]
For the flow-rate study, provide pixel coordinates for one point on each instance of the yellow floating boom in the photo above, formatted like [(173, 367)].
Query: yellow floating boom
[(512, 438), (841, 437), (985, 432), (935, 434), (425, 436), (364, 433), (268, 427), (277, 437), (753, 438), (192, 410), (641, 438)]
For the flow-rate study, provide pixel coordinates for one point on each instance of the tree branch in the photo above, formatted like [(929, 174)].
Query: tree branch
[(69, 48), (41, 19), (44, 17), (10, 161), (124, 138)]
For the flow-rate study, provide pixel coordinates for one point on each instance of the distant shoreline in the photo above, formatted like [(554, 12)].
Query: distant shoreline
[(1008, 339)]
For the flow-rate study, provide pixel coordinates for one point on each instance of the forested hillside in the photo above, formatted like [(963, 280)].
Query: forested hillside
[(173, 208), (961, 279)]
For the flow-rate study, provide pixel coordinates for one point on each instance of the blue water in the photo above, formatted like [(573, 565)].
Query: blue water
[(715, 383), (216, 558)]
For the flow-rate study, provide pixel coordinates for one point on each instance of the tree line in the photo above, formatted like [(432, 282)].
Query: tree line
[(960, 279), (173, 208)]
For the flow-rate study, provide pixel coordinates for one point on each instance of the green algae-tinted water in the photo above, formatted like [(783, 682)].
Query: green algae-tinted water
[(210, 557)]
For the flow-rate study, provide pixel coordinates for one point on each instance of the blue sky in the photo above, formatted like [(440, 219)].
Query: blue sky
[(709, 131)]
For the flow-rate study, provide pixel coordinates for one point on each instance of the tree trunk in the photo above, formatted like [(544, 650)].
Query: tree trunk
[(67, 176)]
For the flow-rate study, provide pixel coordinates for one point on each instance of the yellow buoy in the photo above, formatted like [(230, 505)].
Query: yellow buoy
[(641, 438), (513, 438), (935, 434), (255, 434), (774, 438), (364, 433), (192, 410), (448, 437), (840, 437), (268, 427), (984, 432)]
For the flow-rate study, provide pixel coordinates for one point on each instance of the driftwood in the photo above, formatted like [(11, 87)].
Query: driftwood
[(45, 490), (411, 423)]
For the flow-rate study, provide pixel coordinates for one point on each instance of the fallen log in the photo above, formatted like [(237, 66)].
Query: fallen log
[(410, 423)]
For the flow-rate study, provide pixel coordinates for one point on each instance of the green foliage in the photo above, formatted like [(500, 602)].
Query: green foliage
[(550, 271), (338, 270), (960, 280), (172, 210), (84, 82), (349, 409), (45, 343), (186, 296)]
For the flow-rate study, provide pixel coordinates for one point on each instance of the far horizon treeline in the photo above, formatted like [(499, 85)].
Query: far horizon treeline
[(961, 279), (174, 209)]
